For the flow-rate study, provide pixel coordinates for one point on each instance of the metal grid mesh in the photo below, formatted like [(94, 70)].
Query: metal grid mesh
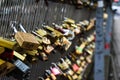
[(32, 14)]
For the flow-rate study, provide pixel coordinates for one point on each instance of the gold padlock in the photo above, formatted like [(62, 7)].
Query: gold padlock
[(25, 40), (68, 20), (7, 43), (53, 31), (5, 67), (91, 25)]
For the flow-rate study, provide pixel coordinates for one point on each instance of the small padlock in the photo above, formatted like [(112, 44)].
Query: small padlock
[(79, 49), (45, 40), (69, 72), (67, 60), (22, 66), (7, 43), (64, 64), (48, 49), (68, 20), (75, 67), (55, 69), (25, 40), (49, 74), (44, 56), (5, 67)]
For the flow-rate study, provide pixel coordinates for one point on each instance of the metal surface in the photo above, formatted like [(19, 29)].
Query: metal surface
[(103, 40)]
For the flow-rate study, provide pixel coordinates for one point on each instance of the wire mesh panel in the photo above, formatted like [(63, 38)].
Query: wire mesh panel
[(31, 14)]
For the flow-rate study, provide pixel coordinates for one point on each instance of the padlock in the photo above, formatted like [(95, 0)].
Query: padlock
[(80, 70), (83, 64), (79, 49), (75, 67), (21, 66), (5, 67), (31, 52), (66, 32), (45, 40), (75, 77), (91, 25), (25, 40), (55, 69), (89, 51), (63, 64), (89, 59), (48, 49), (9, 54), (7, 43), (44, 56), (66, 43), (41, 32), (49, 74), (52, 31), (58, 28), (68, 20), (91, 38), (19, 56), (67, 60)]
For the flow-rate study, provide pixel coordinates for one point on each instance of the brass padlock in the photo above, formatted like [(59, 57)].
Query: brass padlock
[(5, 67), (25, 40), (68, 20), (7, 43)]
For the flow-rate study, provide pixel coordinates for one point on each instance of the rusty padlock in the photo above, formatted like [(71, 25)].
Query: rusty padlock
[(24, 39)]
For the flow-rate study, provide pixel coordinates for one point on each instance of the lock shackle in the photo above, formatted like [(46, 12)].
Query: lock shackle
[(33, 32), (22, 28), (40, 78), (65, 18), (48, 72), (62, 59), (13, 26), (43, 25), (54, 64), (55, 25)]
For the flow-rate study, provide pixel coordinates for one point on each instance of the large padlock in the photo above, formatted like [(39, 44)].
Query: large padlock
[(24, 39)]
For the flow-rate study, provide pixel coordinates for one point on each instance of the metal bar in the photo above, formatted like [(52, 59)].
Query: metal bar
[(103, 38), (99, 50)]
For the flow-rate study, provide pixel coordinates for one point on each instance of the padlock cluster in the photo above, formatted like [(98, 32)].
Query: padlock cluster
[(38, 44), (73, 66)]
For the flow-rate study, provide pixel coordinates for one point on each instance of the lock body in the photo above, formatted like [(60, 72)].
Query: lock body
[(7, 43), (26, 40), (5, 67)]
